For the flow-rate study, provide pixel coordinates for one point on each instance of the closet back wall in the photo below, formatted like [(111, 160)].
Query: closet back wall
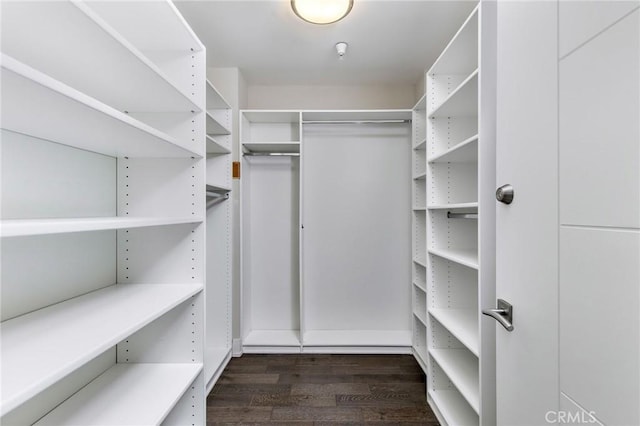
[(331, 97), (356, 234)]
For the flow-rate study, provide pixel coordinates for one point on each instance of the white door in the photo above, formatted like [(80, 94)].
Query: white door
[(527, 229), (568, 246)]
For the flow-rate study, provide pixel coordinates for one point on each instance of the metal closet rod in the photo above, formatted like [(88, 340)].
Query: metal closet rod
[(452, 215), (217, 200), (272, 154), (400, 121)]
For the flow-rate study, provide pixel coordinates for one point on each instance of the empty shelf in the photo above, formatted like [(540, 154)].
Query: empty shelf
[(71, 333), (272, 338), (420, 317), (214, 99), (464, 152), (35, 104), (453, 408), (218, 189), (217, 146), (421, 145), (462, 323), (420, 261), (126, 394), (215, 359), (25, 227), (357, 338), (420, 176), (65, 28), (465, 257), (215, 125), (473, 205), (462, 369), (462, 102)]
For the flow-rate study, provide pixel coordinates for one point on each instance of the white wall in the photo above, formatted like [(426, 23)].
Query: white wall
[(331, 97)]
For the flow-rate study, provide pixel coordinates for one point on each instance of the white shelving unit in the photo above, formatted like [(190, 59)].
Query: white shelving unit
[(102, 221), (419, 232), (460, 242), (218, 287), (270, 212), (286, 299)]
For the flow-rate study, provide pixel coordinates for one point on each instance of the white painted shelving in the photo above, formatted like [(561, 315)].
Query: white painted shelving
[(103, 312), (461, 223)]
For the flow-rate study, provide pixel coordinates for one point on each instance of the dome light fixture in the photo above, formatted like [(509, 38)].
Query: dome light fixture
[(321, 12)]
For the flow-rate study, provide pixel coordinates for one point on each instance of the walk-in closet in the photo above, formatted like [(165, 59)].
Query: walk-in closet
[(320, 212)]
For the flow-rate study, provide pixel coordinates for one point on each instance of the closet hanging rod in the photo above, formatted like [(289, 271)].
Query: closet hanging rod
[(400, 121), (217, 200), (451, 215), (272, 154)]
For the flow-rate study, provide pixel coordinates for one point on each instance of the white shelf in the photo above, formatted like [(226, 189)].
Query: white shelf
[(464, 152), (26, 227), (421, 146), (126, 394), (453, 408), (420, 286), (282, 147), (150, 26), (215, 360), (214, 126), (465, 257), (462, 369), (421, 105), (275, 116), (42, 347), (419, 209), (462, 102), (421, 176), (74, 27), (357, 338), (453, 206), (214, 146), (461, 323), (47, 109), (420, 261), (272, 338), (214, 99), (420, 317), (462, 51)]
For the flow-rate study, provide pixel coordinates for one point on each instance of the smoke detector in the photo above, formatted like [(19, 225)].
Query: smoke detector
[(341, 48)]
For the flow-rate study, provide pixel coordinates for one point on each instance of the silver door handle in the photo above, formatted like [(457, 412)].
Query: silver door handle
[(504, 194), (503, 314)]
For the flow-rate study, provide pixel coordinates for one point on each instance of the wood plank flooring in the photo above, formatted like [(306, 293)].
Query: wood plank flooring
[(320, 390)]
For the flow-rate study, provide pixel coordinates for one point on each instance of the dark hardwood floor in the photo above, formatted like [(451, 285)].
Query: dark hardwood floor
[(320, 390)]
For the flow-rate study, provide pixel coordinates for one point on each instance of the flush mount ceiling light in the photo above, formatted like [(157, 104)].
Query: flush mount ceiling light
[(321, 11)]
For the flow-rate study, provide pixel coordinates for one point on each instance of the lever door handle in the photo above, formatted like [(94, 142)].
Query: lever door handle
[(503, 314)]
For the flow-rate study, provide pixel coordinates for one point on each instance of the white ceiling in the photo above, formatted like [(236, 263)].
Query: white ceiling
[(390, 41)]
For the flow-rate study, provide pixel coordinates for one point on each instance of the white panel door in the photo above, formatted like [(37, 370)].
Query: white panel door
[(568, 247), (527, 229)]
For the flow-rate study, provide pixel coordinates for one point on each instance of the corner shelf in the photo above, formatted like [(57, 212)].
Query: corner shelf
[(108, 316), (27, 227), (127, 390), (47, 109), (214, 99), (461, 323)]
